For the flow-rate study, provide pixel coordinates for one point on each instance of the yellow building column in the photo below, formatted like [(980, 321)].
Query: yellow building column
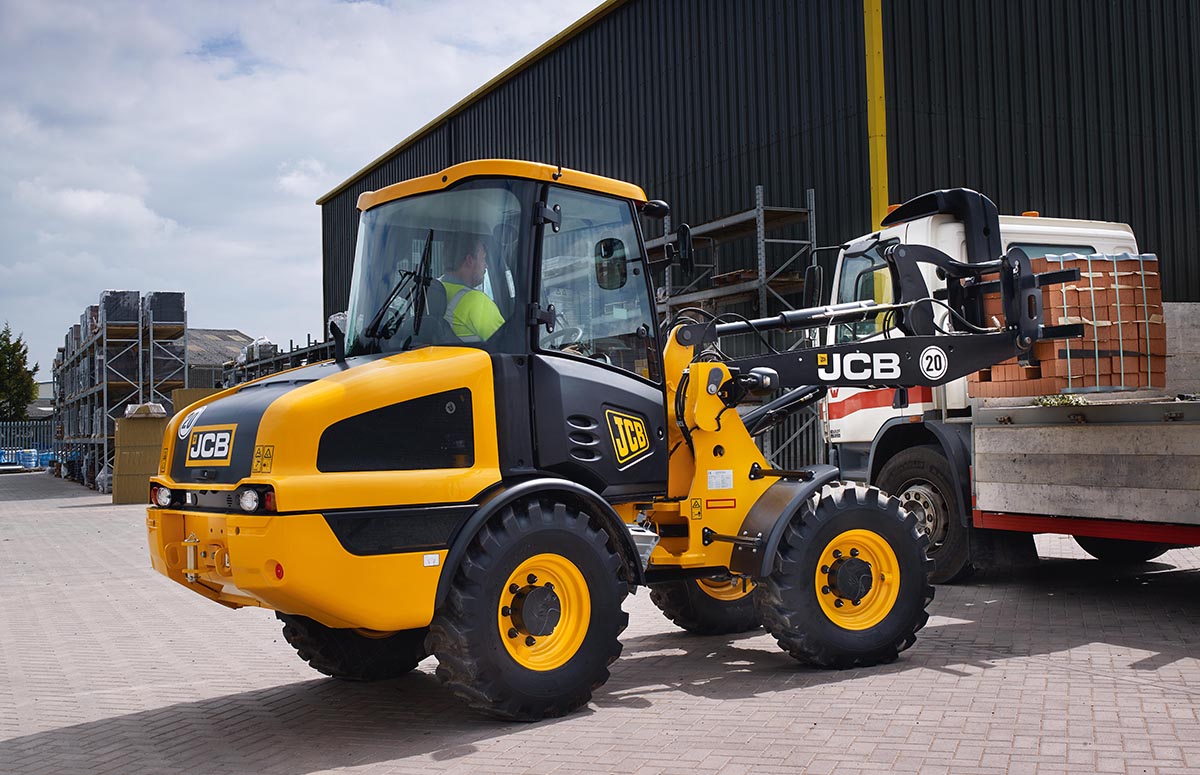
[(876, 109)]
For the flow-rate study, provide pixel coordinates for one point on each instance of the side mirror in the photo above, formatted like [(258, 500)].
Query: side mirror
[(814, 281), (687, 259), (656, 208), (337, 331)]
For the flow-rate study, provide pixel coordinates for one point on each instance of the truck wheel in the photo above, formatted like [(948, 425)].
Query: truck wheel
[(851, 581), (353, 654), (920, 477), (708, 606), (533, 616), (1115, 551)]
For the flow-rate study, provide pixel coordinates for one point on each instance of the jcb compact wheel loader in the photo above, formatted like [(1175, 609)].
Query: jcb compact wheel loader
[(490, 497)]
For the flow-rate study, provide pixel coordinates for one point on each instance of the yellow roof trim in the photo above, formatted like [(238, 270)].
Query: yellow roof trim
[(503, 168), (541, 51)]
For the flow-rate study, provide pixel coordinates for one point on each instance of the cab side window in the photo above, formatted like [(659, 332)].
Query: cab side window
[(594, 276)]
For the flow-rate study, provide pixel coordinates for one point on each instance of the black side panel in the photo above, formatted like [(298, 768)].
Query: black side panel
[(388, 531), (244, 409), (434, 431), (599, 427), (514, 422)]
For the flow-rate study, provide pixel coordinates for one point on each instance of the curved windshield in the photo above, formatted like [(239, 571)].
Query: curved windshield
[(441, 269)]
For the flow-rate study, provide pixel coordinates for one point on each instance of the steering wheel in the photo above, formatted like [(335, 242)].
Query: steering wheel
[(562, 337)]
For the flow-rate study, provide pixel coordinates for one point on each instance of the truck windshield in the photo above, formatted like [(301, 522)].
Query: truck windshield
[(864, 277), (440, 269)]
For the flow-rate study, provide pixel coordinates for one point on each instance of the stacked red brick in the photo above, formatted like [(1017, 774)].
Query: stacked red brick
[(1118, 300)]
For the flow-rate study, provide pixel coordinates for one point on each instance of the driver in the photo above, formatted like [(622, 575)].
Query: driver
[(473, 316)]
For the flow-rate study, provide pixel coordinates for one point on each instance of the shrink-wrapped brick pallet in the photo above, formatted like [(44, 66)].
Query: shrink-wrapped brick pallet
[(1118, 301)]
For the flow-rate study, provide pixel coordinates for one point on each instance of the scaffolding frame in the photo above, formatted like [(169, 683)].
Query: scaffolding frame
[(107, 363), (775, 271)]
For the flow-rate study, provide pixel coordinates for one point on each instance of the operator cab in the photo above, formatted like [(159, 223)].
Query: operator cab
[(543, 269)]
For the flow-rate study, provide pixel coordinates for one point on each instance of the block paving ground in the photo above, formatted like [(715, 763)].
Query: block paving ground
[(109, 668)]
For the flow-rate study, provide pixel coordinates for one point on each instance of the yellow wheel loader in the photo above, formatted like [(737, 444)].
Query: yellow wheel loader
[(490, 496)]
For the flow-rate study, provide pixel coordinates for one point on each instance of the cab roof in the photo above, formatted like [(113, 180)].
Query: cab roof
[(501, 168)]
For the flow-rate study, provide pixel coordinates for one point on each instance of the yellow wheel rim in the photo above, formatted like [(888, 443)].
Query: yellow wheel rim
[(725, 589), (544, 612), (843, 566)]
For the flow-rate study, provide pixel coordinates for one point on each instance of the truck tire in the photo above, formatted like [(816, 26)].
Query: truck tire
[(353, 655), (921, 478), (851, 543), (533, 616), (1115, 551), (708, 606)]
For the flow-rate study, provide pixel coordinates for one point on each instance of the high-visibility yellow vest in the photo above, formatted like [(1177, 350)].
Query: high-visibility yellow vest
[(473, 316)]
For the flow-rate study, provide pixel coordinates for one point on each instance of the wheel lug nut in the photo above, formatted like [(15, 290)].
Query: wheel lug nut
[(529, 641), (506, 611), (513, 588), (512, 633), (838, 603), (856, 602), (532, 579), (853, 552), (824, 568), (824, 590), (549, 586), (837, 554)]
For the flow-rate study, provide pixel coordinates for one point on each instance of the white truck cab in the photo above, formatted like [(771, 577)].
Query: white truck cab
[(925, 446)]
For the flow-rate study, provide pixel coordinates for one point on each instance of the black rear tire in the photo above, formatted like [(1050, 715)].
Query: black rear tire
[(806, 620), (921, 478), (1115, 551), (495, 647), (351, 655), (707, 606)]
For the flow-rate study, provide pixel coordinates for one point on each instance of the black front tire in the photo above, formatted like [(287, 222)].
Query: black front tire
[(1115, 551), (724, 607), (352, 655), (921, 478), (793, 607), (477, 634)]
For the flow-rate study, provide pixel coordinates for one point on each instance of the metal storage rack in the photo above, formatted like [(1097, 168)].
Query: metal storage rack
[(750, 263), (126, 350)]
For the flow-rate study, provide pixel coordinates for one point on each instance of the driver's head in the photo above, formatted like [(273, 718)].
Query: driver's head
[(467, 260)]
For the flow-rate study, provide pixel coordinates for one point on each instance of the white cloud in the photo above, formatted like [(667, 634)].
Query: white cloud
[(180, 146), (306, 178)]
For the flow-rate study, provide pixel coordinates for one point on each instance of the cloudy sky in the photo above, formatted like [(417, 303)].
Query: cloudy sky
[(181, 145)]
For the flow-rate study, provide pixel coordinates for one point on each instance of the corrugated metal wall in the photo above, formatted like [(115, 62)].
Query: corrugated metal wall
[(1074, 108), (696, 101)]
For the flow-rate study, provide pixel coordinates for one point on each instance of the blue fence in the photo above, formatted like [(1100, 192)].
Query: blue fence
[(27, 443)]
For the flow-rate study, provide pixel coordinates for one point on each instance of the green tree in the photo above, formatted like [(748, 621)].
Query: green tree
[(17, 388)]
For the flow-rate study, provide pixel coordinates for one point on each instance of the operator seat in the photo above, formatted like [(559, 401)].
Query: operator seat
[(435, 329)]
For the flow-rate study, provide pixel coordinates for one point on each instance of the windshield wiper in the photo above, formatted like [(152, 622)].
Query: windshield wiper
[(423, 279), (372, 331)]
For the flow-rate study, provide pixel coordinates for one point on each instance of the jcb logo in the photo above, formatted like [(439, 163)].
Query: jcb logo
[(629, 437), (880, 367), (211, 445)]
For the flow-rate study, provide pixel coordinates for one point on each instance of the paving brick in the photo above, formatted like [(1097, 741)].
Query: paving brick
[(1071, 668)]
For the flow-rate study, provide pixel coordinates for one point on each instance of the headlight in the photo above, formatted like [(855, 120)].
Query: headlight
[(161, 496), (248, 500)]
